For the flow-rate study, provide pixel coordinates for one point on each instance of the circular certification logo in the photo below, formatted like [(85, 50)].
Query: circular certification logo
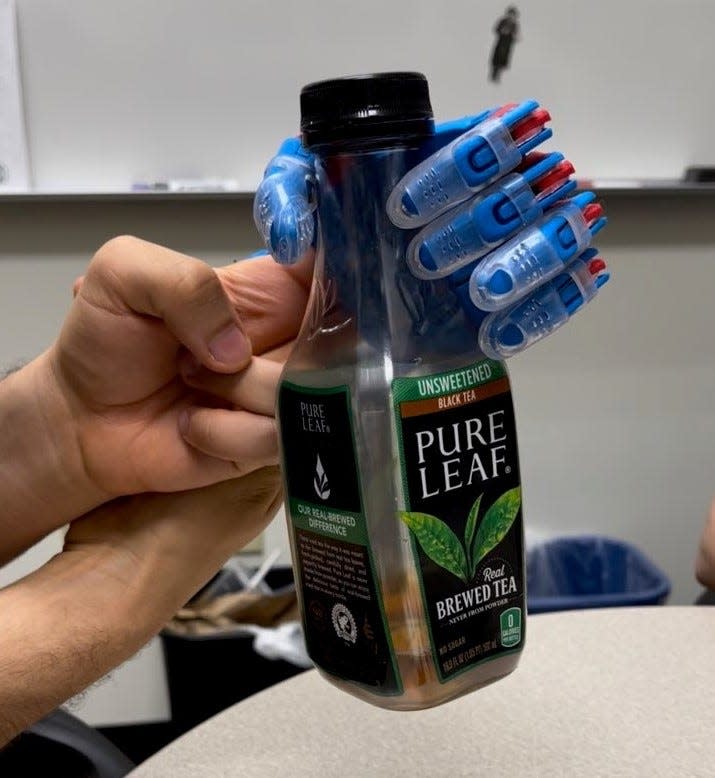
[(344, 623)]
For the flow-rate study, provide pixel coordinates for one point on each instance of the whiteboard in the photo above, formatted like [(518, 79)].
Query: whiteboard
[(14, 169), (152, 89)]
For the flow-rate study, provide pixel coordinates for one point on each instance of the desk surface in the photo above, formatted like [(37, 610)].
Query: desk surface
[(619, 692)]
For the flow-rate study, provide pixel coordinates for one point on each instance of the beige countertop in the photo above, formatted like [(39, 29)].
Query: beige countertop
[(618, 692)]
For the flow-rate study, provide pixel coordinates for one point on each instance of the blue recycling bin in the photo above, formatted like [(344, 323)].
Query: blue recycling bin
[(589, 571)]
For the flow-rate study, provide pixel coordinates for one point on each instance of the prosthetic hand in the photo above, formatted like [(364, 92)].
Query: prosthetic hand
[(487, 211)]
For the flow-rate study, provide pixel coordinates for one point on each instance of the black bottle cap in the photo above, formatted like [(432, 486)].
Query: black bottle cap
[(366, 108)]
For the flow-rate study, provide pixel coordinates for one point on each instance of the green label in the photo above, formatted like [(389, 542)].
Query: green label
[(465, 379), (462, 496), (510, 622), (343, 614)]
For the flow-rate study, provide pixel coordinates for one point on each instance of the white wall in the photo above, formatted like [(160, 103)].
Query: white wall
[(616, 413), (122, 91)]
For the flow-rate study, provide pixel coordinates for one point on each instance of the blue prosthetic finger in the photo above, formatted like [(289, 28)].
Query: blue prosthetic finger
[(284, 206), (471, 161), (508, 332), (536, 254), (476, 227)]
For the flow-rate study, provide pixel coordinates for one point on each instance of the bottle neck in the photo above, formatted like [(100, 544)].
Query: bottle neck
[(361, 267)]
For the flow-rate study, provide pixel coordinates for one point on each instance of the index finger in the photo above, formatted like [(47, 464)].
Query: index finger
[(270, 299)]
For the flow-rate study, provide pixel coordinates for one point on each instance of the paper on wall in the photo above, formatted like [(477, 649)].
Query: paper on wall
[(14, 163)]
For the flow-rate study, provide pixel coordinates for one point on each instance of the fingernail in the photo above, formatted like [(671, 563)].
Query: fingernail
[(184, 419), (230, 346), (189, 366)]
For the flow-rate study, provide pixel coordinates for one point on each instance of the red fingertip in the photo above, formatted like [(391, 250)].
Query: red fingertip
[(530, 125), (596, 266), (592, 212), (555, 178)]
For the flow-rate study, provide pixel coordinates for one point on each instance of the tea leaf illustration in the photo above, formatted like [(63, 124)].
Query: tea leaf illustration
[(438, 541), (470, 528), (495, 524)]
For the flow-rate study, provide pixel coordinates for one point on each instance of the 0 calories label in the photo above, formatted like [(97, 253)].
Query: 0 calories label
[(462, 498), (343, 616)]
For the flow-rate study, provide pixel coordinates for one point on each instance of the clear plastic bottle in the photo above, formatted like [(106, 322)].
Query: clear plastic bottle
[(397, 435)]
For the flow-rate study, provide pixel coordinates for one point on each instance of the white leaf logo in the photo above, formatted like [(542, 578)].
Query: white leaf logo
[(320, 482)]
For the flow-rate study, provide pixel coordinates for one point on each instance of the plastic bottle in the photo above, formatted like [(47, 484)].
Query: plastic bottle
[(397, 435)]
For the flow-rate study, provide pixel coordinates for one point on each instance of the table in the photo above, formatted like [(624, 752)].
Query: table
[(617, 692)]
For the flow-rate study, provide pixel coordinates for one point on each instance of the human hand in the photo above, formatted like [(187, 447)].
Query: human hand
[(185, 536), (140, 314), (480, 186), (100, 413), (144, 315)]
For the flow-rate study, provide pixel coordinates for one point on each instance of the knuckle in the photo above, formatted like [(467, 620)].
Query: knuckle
[(197, 282), (113, 250)]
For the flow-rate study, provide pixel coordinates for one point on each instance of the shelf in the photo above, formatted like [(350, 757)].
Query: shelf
[(646, 187), (120, 196), (603, 187)]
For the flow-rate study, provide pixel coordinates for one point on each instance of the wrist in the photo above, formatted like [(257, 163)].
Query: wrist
[(119, 592), (43, 479), (160, 549), (64, 627)]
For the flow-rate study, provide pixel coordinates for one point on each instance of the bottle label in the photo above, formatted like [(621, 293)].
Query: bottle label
[(462, 497), (343, 615)]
